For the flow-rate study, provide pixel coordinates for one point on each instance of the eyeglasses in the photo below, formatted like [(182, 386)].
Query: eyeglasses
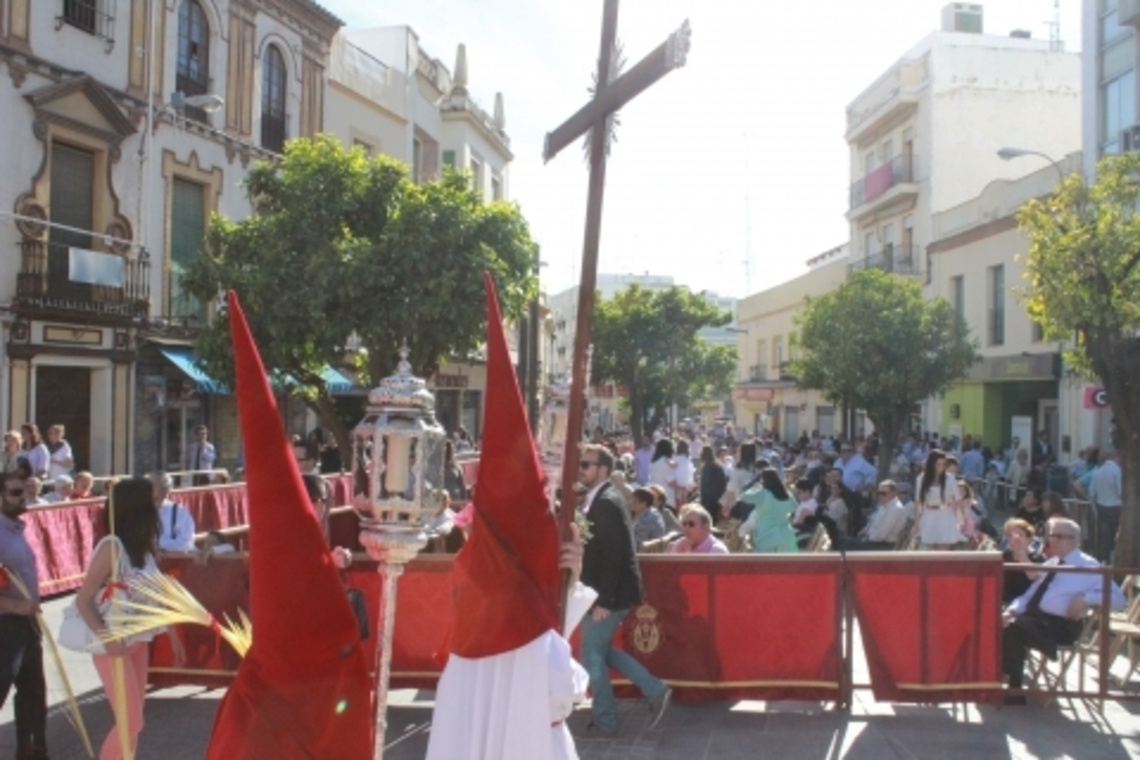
[(586, 464), (884, 493), (14, 491), (690, 524), (1061, 535)]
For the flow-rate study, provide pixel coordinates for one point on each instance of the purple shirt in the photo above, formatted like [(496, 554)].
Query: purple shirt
[(642, 458), (711, 545), (17, 555)]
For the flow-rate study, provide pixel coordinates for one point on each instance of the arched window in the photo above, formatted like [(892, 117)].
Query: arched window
[(193, 76), (273, 100)]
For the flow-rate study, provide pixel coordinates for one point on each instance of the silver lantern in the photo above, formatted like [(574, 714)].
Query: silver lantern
[(397, 468)]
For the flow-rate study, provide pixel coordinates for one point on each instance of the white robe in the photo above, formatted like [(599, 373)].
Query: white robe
[(512, 706)]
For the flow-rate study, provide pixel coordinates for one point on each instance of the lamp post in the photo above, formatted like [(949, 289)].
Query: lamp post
[(397, 468), (1008, 154)]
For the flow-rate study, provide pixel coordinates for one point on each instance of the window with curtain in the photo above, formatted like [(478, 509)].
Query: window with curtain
[(187, 230), (193, 74), (273, 82)]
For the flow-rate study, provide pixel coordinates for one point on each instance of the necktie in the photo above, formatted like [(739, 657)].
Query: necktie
[(1035, 600)]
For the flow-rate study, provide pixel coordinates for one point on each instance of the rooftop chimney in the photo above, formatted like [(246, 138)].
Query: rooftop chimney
[(962, 17)]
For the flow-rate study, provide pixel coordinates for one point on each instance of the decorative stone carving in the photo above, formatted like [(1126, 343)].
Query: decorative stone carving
[(26, 205), (18, 73), (119, 227)]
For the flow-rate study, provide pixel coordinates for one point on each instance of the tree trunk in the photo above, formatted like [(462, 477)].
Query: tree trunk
[(1128, 539), (636, 423), (888, 442)]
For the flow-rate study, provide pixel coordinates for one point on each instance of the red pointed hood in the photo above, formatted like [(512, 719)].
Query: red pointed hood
[(303, 689), (507, 581)]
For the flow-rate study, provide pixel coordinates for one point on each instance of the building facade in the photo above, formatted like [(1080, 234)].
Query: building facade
[(129, 125), (1109, 60), (926, 136), (1021, 385), (766, 399)]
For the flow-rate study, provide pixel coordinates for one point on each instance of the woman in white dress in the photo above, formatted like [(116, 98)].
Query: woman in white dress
[(663, 470), (935, 495)]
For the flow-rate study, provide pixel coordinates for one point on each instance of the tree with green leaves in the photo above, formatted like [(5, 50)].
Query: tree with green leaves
[(1083, 286), (342, 245), (647, 341), (876, 344)]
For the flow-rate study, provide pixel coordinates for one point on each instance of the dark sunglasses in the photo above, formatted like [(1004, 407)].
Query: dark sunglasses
[(14, 491)]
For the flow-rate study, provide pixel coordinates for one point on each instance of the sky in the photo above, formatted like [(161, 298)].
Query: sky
[(727, 174)]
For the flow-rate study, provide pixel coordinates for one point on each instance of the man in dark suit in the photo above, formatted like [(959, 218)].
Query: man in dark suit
[(609, 566)]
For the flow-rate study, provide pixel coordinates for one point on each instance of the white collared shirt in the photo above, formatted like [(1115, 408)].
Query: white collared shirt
[(1068, 586), (181, 539)]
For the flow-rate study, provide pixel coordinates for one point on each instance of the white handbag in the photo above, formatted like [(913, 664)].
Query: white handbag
[(74, 634)]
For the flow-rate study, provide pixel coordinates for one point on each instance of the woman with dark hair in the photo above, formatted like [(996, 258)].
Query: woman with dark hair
[(713, 481), (768, 524), (35, 450), (661, 470), (132, 545), (936, 493), (743, 474)]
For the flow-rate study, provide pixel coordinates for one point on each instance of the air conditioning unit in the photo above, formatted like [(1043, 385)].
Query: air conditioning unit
[(962, 17), (1130, 139), (1128, 12)]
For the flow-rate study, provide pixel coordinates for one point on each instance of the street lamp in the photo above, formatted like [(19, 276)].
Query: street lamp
[(397, 469), (1008, 154)]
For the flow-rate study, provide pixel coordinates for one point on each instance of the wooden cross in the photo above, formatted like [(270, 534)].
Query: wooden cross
[(609, 97)]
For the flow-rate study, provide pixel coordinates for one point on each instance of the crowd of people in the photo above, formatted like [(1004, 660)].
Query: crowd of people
[(764, 495)]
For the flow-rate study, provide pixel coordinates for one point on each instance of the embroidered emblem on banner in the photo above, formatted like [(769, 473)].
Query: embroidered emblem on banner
[(646, 634)]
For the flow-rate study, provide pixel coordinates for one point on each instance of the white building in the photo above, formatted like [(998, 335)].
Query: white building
[(564, 312), (389, 95), (1109, 59), (925, 136), (95, 329), (766, 398)]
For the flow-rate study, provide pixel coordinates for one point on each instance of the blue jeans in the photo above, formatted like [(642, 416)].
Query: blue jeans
[(598, 656)]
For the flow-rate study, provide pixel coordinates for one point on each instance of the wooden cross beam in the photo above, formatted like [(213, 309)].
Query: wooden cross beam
[(609, 97)]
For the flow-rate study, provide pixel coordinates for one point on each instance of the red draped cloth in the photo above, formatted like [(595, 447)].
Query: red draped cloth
[(222, 586), (214, 507), (62, 536), (728, 628), (931, 624), (740, 627)]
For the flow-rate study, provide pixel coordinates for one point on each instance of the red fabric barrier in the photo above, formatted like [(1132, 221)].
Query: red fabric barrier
[(931, 624), (748, 627), (340, 489), (62, 537), (222, 586), (214, 507), (742, 627)]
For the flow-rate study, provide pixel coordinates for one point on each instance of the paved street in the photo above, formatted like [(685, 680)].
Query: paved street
[(179, 722)]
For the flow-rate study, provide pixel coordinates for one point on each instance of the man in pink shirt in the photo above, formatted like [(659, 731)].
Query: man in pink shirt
[(698, 538)]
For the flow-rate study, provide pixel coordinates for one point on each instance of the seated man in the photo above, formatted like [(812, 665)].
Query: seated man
[(1052, 611), (696, 526), (63, 489), (886, 524), (177, 523)]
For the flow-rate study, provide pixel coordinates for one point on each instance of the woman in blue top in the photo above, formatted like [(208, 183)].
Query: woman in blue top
[(768, 525)]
